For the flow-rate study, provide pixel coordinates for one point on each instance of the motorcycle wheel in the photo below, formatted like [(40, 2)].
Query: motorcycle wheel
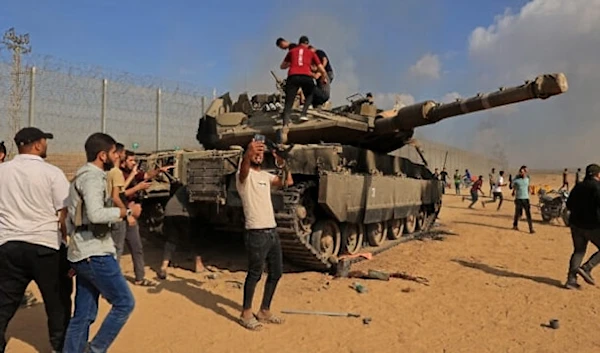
[(545, 215)]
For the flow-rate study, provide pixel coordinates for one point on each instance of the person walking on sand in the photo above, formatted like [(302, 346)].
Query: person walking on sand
[(33, 199), (457, 178), (491, 180), (521, 190), (262, 241), (92, 252), (497, 190), (475, 190), (584, 221)]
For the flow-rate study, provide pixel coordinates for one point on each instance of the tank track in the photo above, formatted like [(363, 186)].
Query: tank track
[(296, 237)]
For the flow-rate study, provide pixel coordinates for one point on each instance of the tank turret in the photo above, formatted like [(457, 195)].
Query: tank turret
[(359, 123)]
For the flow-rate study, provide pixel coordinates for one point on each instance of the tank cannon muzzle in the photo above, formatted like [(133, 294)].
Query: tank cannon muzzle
[(430, 112)]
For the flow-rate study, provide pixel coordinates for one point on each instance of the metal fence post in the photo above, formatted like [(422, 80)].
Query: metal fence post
[(202, 105), (104, 97), (31, 95), (157, 119)]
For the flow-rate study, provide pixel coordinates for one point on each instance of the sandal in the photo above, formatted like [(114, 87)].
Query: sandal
[(251, 324), (145, 283), (273, 319)]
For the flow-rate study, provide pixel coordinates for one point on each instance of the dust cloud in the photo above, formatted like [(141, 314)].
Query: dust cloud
[(543, 36)]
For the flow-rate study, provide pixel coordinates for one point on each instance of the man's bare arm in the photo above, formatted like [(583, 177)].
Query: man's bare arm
[(254, 147), (278, 181), (62, 222)]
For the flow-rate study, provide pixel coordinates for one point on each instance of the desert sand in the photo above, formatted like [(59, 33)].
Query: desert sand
[(490, 290)]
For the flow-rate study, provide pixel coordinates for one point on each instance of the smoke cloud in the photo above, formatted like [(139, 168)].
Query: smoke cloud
[(543, 36)]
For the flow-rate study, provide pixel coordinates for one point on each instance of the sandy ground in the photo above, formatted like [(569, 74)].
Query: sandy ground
[(491, 289)]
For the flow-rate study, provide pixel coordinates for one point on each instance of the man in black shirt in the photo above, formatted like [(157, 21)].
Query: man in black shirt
[(584, 205), (444, 178)]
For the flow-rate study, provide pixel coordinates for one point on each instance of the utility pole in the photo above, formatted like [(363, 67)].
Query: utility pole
[(18, 44)]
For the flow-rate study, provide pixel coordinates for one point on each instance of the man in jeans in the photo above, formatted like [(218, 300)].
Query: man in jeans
[(33, 197), (521, 189), (92, 252), (584, 205), (262, 241)]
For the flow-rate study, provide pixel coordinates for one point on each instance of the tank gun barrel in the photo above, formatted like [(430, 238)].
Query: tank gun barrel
[(430, 112)]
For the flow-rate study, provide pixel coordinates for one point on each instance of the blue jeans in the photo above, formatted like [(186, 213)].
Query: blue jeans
[(94, 276)]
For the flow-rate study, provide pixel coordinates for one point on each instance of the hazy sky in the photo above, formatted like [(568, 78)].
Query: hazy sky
[(419, 49)]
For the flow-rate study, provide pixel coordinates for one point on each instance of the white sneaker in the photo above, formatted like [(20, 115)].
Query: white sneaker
[(303, 118)]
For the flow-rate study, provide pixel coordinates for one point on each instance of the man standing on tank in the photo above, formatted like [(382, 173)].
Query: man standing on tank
[(261, 238), (298, 61)]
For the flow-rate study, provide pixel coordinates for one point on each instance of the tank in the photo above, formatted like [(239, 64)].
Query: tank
[(352, 194)]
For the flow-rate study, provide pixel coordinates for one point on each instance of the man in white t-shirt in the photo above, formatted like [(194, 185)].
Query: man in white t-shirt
[(33, 196), (261, 238), (497, 190)]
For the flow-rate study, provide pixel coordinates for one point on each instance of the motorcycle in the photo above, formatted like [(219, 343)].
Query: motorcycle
[(552, 206)]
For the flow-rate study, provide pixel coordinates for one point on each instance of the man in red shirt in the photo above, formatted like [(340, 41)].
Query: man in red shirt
[(298, 61), (475, 189)]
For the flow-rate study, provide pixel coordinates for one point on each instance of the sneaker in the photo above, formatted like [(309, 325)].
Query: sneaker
[(531, 231), (303, 118), (572, 284), (515, 228), (587, 276)]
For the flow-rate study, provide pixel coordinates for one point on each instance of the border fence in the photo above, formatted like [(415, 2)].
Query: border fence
[(72, 106)]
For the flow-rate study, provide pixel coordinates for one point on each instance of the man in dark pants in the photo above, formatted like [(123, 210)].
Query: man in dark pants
[(521, 190), (565, 184), (444, 179), (584, 205), (177, 229), (299, 61), (261, 238), (127, 231), (497, 190), (30, 235)]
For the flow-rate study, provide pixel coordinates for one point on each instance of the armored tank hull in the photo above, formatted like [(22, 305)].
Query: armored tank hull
[(350, 193), (344, 200)]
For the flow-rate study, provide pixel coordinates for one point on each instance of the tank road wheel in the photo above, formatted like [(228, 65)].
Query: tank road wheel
[(420, 220), (376, 233), (395, 228), (352, 236), (326, 238), (410, 224)]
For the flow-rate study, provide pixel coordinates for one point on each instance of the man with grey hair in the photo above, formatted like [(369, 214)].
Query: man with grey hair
[(584, 221)]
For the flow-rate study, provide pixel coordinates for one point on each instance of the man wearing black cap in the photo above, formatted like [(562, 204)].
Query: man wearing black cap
[(30, 235), (584, 205)]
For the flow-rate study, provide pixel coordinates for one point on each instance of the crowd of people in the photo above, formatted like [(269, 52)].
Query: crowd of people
[(583, 204), (68, 236), (53, 230)]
